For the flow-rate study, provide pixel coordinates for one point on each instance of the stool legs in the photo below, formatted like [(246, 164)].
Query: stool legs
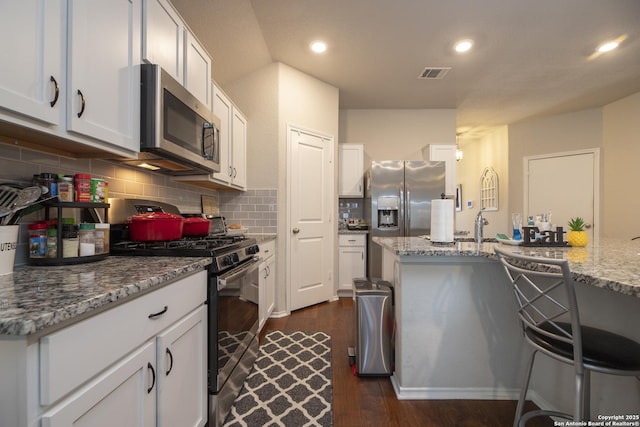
[(582, 410), (523, 391)]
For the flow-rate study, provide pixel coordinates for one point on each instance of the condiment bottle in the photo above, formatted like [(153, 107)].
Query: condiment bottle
[(65, 188), (37, 240), (70, 242), (52, 242), (102, 238), (50, 181), (82, 183), (86, 236)]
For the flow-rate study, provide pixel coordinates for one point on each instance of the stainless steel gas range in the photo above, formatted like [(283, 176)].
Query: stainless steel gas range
[(232, 295)]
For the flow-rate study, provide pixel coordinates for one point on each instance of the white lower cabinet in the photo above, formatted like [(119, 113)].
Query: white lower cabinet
[(182, 372), (141, 363), (352, 255), (124, 395), (267, 281)]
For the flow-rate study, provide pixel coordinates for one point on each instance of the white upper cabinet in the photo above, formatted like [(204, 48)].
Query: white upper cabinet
[(233, 147), (239, 150), (168, 42), (233, 141), (350, 175), (223, 109), (103, 93), (70, 69), (31, 71), (197, 69), (163, 37), (446, 153)]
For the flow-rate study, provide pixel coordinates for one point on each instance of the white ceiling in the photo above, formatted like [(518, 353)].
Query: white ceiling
[(531, 57)]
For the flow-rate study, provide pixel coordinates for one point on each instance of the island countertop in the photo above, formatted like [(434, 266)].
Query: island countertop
[(33, 299), (612, 264)]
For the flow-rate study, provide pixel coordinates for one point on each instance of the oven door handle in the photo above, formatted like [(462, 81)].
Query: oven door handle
[(239, 271)]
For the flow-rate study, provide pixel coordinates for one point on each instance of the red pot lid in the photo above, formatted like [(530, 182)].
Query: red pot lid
[(195, 219), (156, 216)]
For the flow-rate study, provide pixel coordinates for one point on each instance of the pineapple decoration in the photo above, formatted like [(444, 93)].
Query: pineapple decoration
[(577, 236)]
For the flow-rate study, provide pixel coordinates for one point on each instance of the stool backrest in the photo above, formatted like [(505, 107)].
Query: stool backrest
[(545, 295)]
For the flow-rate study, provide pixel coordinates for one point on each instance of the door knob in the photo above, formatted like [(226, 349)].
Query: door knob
[(296, 230)]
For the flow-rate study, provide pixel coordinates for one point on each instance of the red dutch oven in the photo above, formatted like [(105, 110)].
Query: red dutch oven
[(155, 227), (196, 226)]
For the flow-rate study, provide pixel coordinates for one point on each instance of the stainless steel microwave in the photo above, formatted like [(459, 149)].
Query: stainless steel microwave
[(178, 134)]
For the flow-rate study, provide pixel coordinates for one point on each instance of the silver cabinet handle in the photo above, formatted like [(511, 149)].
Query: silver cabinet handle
[(296, 230)]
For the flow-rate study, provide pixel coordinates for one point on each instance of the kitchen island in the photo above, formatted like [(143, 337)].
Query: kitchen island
[(458, 335), (81, 341)]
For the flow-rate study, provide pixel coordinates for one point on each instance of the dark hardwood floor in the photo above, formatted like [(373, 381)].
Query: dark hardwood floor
[(359, 401)]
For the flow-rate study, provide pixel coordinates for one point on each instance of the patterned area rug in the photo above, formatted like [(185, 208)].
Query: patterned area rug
[(289, 385)]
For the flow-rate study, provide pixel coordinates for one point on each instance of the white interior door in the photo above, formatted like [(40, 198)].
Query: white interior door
[(311, 188), (565, 184)]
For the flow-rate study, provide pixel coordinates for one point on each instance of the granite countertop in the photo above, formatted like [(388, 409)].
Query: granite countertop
[(612, 264), (262, 238), (347, 231), (33, 299)]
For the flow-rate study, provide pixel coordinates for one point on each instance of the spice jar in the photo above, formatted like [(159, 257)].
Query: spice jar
[(52, 242), (99, 190), (102, 238), (50, 181), (82, 183), (86, 237), (37, 240), (65, 188), (70, 242)]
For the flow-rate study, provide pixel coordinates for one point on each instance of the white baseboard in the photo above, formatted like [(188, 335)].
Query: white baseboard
[(441, 393)]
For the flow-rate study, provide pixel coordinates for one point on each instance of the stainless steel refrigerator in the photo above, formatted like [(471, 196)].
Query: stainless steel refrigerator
[(399, 195)]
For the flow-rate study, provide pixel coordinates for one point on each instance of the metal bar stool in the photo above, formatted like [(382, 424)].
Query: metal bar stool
[(547, 307)]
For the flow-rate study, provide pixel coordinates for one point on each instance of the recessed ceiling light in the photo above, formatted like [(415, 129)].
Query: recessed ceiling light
[(463, 46), (608, 46), (318, 46)]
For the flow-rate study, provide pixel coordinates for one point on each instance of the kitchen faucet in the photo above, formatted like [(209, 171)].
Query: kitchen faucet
[(479, 224)]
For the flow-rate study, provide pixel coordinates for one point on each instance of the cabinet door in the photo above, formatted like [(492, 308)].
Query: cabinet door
[(31, 42), (270, 291), (197, 69), (351, 264), (239, 150), (182, 372), (104, 53), (262, 301), (267, 289), (163, 37), (222, 108), (350, 174), (124, 395)]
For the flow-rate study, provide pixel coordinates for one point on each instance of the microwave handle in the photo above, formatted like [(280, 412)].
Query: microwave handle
[(208, 131)]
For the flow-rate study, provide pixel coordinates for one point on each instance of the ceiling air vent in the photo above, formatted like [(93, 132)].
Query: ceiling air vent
[(434, 73)]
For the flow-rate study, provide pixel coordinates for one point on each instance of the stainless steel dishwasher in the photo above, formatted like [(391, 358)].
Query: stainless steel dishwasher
[(374, 324)]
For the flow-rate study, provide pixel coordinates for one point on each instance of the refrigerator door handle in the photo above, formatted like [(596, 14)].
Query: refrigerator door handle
[(402, 225), (407, 222)]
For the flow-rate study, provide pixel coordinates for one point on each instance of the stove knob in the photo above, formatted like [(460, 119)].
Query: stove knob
[(230, 259), (252, 250)]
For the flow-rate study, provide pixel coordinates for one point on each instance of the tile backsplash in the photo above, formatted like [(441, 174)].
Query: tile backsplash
[(255, 209)]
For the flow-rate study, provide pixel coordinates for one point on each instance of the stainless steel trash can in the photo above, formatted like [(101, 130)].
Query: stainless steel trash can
[(373, 302)]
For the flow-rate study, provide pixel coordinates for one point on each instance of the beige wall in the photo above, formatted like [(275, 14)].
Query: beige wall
[(397, 134), (560, 133), (621, 140), (491, 150), (273, 97)]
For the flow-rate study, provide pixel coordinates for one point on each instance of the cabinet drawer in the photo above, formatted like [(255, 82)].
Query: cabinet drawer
[(352, 239), (267, 249), (73, 355)]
